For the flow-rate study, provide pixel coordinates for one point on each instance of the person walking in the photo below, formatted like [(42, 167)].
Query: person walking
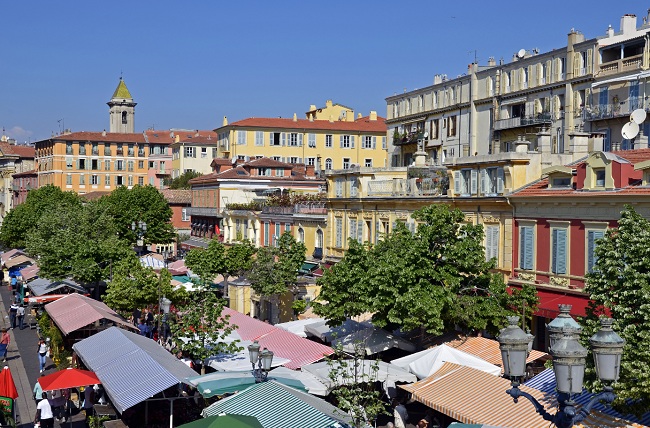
[(89, 402), (38, 391), (20, 314), (4, 344), (42, 353), (13, 311), (44, 414), (400, 414)]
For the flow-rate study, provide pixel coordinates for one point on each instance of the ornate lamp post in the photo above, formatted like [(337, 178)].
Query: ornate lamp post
[(140, 228), (568, 364), (263, 360)]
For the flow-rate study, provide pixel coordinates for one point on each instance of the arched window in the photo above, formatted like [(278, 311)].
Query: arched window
[(328, 163), (123, 118), (301, 234), (319, 238)]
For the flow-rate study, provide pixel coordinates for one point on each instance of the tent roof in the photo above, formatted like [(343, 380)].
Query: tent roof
[(371, 370), (326, 333), (41, 286), (427, 362), (19, 260), (298, 326), (277, 405), (488, 349), (374, 340), (131, 367), (10, 254), (75, 311)]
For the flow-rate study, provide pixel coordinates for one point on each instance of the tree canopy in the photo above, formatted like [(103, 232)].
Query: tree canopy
[(619, 286), (436, 278), (23, 218), (275, 270), (182, 181)]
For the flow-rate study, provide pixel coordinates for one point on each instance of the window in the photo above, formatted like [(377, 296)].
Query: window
[(492, 242), (328, 141), (368, 142), (276, 158), (492, 181), (68, 148), (600, 177), (319, 238), (559, 250), (259, 138), (68, 163), (451, 126), (204, 152), (279, 172), (276, 236), (346, 141), (120, 150), (465, 182), (82, 148), (214, 153), (383, 143), (129, 150), (119, 165), (151, 179), (311, 161), (152, 164), (82, 164), (130, 164), (107, 165), (94, 164), (68, 179), (353, 232), (328, 164), (368, 163), (339, 232), (95, 149), (526, 247), (346, 163), (141, 182), (189, 152), (354, 189), (94, 180), (140, 150), (241, 138), (130, 181), (287, 227), (434, 124), (274, 138), (338, 188), (124, 120), (311, 140), (295, 139), (266, 234), (119, 180), (82, 180), (265, 172), (301, 234), (592, 240), (561, 182), (294, 159), (107, 180), (140, 164)]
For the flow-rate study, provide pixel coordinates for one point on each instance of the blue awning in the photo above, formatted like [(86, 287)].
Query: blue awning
[(132, 368)]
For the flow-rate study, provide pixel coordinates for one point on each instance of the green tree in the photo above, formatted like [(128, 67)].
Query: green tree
[(77, 241), (27, 216), (199, 328), (135, 286), (619, 286), (182, 181), (239, 261), (434, 279), (141, 203), (207, 263)]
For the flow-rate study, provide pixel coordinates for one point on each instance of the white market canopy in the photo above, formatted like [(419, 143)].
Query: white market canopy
[(366, 371), (373, 340), (425, 363), (298, 326), (324, 332)]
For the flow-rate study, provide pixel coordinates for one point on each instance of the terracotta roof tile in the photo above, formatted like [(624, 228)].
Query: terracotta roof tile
[(634, 156), (99, 136), (361, 125), (268, 163), (20, 151), (33, 172), (92, 196), (177, 196)]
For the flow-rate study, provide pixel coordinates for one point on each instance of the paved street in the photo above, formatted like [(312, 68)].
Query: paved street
[(23, 362)]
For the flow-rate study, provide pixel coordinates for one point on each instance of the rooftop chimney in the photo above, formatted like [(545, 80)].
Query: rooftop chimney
[(359, 116), (610, 31), (225, 121), (312, 107), (177, 138), (295, 117), (373, 116), (328, 103), (437, 79), (628, 23), (104, 133), (491, 61)]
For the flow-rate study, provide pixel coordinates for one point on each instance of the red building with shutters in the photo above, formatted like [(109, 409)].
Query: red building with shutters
[(558, 220)]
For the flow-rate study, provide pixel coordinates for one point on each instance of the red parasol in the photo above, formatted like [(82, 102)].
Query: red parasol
[(68, 378), (7, 385)]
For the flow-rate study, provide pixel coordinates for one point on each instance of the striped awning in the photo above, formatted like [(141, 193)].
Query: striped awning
[(276, 405), (474, 397), (29, 272), (76, 311), (298, 350), (488, 349), (132, 368), (545, 382), (7, 255)]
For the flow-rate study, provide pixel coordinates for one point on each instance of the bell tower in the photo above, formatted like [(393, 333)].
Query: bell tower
[(122, 110)]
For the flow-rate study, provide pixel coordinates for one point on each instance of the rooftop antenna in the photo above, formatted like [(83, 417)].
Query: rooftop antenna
[(475, 55), (61, 125)]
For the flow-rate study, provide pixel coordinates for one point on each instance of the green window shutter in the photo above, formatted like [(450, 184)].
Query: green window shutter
[(457, 189)]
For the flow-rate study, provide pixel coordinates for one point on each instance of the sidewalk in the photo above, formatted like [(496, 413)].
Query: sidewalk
[(22, 360)]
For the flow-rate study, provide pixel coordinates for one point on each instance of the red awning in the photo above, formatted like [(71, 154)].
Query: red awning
[(549, 300)]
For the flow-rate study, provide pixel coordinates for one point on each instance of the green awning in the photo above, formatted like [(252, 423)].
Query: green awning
[(308, 267)]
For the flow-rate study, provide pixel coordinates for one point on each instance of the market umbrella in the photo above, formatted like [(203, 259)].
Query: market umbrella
[(7, 385), (225, 421), (220, 383), (68, 378)]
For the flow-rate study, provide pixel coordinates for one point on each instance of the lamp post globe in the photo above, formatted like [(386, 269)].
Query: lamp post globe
[(562, 321), (254, 352), (513, 342), (569, 358), (267, 359), (607, 347)]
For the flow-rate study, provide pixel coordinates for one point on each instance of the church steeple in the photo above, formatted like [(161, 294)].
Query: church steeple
[(122, 110)]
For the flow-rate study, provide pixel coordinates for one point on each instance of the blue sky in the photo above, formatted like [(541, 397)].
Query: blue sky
[(189, 63)]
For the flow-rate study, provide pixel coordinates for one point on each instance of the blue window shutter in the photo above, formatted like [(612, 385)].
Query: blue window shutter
[(377, 230), (474, 181), (360, 230), (457, 182), (284, 138), (482, 179), (352, 141), (300, 140), (561, 251), (341, 141), (554, 251), (488, 243), (374, 143), (590, 250), (522, 248), (527, 248)]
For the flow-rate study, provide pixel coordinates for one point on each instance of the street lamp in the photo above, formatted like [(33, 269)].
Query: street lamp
[(263, 359), (140, 228), (568, 364)]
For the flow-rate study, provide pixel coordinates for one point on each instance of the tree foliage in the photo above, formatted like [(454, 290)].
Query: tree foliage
[(619, 286), (136, 286), (140, 203), (435, 279), (182, 181), (27, 216), (275, 270), (218, 259)]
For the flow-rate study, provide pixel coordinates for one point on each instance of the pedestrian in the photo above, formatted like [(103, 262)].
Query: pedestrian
[(89, 402), (4, 344), (150, 325), (13, 311), (20, 314), (400, 414), (42, 353), (14, 283), (38, 391), (137, 314), (142, 327), (44, 414)]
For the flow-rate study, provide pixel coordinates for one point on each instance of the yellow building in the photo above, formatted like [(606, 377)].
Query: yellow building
[(193, 151), (330, 138)]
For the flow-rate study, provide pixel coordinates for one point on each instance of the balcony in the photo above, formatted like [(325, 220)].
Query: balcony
[(163, 172), (606, 111), (408, 187), (407, 138), (621, 65), (277, 210), (516, 122), (203, 211), (107, 151), (315, 208)]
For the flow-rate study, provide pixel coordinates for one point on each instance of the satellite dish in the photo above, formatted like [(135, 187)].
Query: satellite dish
[(638, 116), (521, 53), (630, 130)]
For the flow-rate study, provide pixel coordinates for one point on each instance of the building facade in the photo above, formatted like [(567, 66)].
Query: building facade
[(122, 110), (14, 159), (333, 143), (193, 151)]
